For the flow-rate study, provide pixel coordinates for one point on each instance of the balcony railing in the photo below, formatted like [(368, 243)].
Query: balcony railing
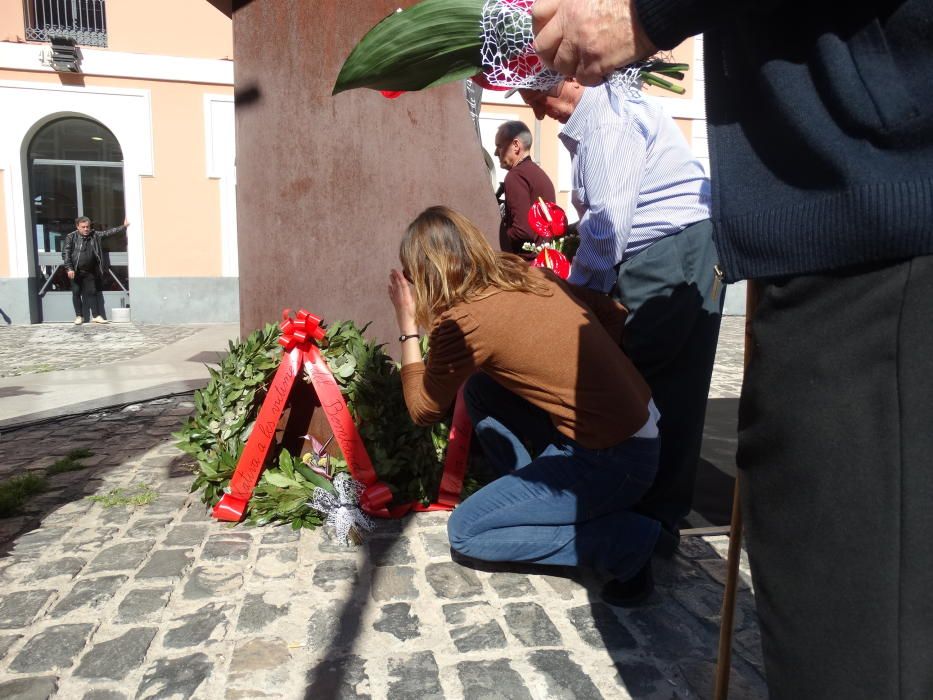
[(85, 21)]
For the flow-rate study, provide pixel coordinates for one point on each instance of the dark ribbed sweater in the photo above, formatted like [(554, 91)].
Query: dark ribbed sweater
[(820, 127)]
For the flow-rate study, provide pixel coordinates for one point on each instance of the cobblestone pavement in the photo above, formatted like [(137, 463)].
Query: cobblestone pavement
[(47, 347), (159, 601)]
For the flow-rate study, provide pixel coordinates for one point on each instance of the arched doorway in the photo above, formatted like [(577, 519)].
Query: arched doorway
[(75, 169)]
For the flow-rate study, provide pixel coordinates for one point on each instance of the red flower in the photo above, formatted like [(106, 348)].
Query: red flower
[(552, 260), (549, 224)]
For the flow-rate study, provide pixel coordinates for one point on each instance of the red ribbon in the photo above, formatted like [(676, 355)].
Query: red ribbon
[(299, 339)]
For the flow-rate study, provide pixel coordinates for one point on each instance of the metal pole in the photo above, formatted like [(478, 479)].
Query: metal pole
[(727, 618)]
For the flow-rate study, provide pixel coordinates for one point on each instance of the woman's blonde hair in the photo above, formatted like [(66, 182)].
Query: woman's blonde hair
[(449, 261)]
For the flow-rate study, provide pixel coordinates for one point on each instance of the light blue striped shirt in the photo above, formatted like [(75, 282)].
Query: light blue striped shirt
[(635, 181)]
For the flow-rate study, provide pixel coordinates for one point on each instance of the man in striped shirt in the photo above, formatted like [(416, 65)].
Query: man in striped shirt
[(646, 238)]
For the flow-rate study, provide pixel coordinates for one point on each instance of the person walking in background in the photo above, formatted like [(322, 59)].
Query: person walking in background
[(84, 262), (645, 238), (524, 182), (821, 140), (560, 412)]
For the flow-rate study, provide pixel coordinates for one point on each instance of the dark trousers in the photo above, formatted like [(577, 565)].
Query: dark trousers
[(675, 309), (836, 452), (84, 292)]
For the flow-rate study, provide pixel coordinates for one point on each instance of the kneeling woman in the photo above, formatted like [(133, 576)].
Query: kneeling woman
[(559, 411)]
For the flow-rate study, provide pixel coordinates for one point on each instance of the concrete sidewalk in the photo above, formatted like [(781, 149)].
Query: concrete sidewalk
[(177, 366)]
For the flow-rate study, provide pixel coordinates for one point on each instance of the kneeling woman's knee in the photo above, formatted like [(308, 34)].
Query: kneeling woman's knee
[(458, 531)]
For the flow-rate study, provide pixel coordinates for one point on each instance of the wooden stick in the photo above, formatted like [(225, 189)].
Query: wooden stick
[(727, 618)]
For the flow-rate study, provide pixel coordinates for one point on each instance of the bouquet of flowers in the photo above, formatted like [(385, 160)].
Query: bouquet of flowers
[(491, 41), (557, 245)]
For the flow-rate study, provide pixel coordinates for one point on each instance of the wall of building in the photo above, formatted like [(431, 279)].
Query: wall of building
[(179, 178), (183, 28)]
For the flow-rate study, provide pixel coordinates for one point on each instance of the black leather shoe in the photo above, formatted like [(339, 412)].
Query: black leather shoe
[(632, 591)]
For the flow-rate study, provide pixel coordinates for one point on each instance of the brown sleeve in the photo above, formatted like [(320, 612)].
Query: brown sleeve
[(431, 389)]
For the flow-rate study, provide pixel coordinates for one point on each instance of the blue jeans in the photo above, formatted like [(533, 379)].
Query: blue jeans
[(567, 506)]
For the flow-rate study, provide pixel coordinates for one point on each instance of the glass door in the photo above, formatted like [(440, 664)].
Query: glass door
[(76, 169)]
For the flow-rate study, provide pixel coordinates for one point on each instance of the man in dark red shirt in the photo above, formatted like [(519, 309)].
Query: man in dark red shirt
[(524, 183)]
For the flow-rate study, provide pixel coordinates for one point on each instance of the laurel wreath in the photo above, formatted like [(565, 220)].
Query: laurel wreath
[(407, 457)]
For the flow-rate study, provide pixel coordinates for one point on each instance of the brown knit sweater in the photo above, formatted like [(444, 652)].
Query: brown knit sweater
[(559, 352)]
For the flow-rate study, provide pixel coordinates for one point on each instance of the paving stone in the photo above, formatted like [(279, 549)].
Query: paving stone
[(197, 512), (335, 622), (531, 625), (699, 675), (226, 548), (716, 569), (490, 680), (415, 676), (104, 695), (511, 585), (17, 609), (390, 552), (474, 631), (198, 627), (90, 540), (260, 656), (562, 586), (329, 573), (667, 631), (704, 602), (116, 658), (121, 557), (388, 528), (339, 679), (281, 534), (276, 562), (29, 688), (210, 582), (565, 678), (115, 515), (167, 563), (257, 613), (450, 580), (37, 542), (89, 593), (430, 519), (598, 627), (166, 503), (67, 566), (643, 680), (173, 678), (435, 543), (696, 548), (142, 605), (186, 536), (7, 641), (148, 528), (393, 583), (53, 648), (398, 621)]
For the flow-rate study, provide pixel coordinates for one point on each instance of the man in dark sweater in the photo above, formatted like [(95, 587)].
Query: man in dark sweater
[(821, 143), (84, 262), (524, 183)]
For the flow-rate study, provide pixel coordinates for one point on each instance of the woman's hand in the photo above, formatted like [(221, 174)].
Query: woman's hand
[(404, 303)]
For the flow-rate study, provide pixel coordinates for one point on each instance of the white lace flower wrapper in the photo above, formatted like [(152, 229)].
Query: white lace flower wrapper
[(508, 55), (341, 510)]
